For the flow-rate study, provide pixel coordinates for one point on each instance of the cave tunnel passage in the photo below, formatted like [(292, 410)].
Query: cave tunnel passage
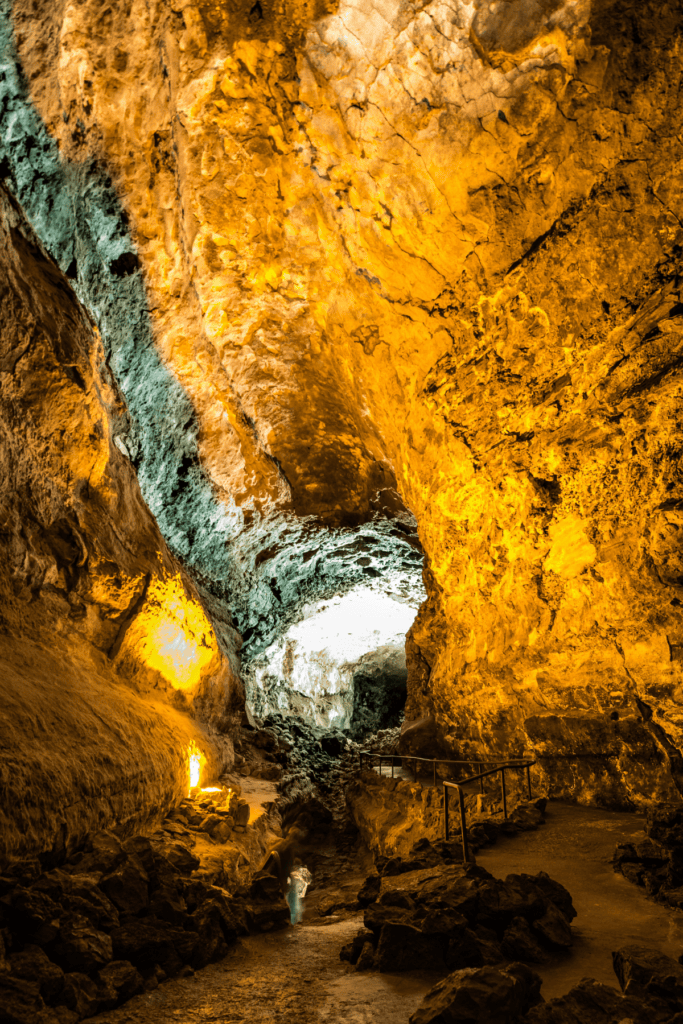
[(342, 664)]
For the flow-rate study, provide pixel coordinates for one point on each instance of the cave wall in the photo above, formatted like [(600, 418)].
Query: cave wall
[(409, 256), (109, 668)]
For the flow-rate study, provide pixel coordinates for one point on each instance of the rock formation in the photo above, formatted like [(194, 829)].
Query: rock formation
[(329, 290)]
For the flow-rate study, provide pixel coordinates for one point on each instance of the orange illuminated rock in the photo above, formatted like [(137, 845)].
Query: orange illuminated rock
[(432, 250)]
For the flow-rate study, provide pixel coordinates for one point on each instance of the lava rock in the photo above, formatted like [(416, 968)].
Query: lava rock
[(119, 980), (33, 965), (147, 942), (482, 994), (80, 946), (648, 974), (182, 860), (405, 947), (553, 928), (34, 916), (80, 994), (367, 958), (352, 950), (21, 1002), (369, 891), (590, 1002), (520, 943), (103, 852), (167, 904), (127, 886)]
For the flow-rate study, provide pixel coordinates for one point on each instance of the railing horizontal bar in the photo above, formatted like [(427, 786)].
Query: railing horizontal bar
[(520, 763)]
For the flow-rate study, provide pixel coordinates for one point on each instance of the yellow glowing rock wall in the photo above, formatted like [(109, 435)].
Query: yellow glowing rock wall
[(443, 240), (109, 669)]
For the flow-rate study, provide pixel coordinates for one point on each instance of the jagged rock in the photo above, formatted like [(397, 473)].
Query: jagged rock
[(405, 947), (369, 891), (647, 974), (80, 947), (351, 951), (119, 980), (147, 942), (103, 853), (181, 859), (34, 915), (142, 848), (481, 994), (80, 994), (32, 964), (520, 943), (367, 960), (553, 928), (127, 886), (21, 1002), (167, 904), (591, 1002)]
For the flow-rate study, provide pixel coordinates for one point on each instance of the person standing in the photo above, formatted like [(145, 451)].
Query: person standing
[(297, 883)]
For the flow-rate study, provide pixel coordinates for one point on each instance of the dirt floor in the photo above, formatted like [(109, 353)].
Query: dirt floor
[(295, 976), (575, 847)]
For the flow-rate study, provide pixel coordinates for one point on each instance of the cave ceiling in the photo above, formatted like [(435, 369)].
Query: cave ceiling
[(384, 279)]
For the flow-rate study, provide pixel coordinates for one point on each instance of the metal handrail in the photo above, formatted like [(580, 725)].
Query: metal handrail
[(502, 768), (520, 762), (514, 764)]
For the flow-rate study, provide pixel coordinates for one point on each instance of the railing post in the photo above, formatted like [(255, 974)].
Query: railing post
[(392, 766), (415, 768), (528, 779), (434, 765), (445, 812), (481, 781), (505, 803), (463, 826)]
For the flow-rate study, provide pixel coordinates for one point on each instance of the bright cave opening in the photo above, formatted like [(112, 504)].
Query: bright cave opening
[(342, 664)]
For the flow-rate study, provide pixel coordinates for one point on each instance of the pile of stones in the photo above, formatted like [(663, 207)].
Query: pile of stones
[(656, 863), (428, 910), (115, 919), (652, 986), (217, 815)]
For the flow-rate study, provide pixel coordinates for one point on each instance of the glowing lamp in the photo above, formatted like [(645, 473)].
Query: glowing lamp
[(195, 764)]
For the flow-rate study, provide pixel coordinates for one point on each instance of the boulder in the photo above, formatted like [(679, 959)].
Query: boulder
[(80, 946), (119, 980), (147, 942), (405, 947), (369, 891), (103, 852), (142, 848), (127, 886), (590, 1003), (21, 1002), (33, 965), (167, 904), (647, 974), (181, 859), (221, 832), (553, 928), (520, 943), (367, 958), (80, 994), (481, 995), (352, 950), (34, 916), (209, 823)]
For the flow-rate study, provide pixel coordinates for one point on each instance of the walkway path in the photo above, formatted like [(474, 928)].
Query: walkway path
[(295, 976), (576, 847)]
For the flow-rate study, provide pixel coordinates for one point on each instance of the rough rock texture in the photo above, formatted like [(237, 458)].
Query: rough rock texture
[(428, 249), (106, 655)]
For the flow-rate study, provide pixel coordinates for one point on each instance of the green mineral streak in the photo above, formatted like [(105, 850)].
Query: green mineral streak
[(76, 213)]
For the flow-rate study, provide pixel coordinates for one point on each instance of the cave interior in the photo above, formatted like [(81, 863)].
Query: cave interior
[(341, 410)]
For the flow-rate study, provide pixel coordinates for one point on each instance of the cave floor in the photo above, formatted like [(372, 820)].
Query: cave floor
[(575, 847), (295, 976)]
